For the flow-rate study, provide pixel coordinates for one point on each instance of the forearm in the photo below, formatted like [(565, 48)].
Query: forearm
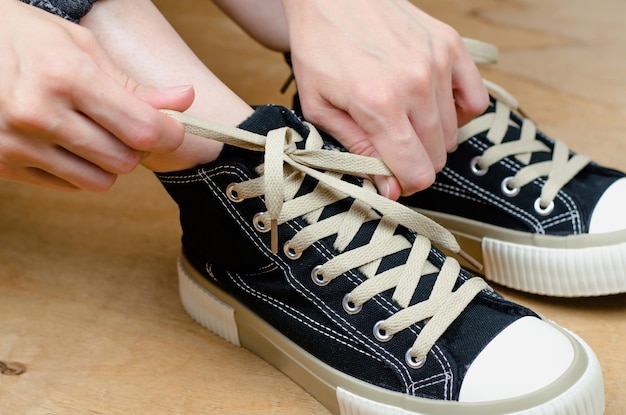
[(266, 24)]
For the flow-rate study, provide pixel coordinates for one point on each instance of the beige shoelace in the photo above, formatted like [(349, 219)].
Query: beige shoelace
[(282, 174), (559, 170)]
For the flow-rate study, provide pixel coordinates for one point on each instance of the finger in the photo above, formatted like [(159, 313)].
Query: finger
[(388, 186), (35, 160), (426, 139), (434, 121), (35, 176), (42, 178), (67, 167), (131, 120), (406, 157), (446, 108), (83, 137), (177, 98), (449, 126), (107, 95), (470, 94)]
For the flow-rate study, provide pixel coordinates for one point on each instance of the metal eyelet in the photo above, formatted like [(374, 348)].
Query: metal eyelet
[(318, 278), (508, 190), (543, 211), (413, 362), (232, 194), (380, 334), (476, 169), (290, 252), (259, 223), (349, 307)]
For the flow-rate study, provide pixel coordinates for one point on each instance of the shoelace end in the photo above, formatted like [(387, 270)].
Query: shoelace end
[(274, 236), (470, 260)]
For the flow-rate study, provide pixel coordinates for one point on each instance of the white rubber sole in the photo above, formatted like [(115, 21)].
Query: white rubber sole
[(579, 392), (582, 272), (576, 266)]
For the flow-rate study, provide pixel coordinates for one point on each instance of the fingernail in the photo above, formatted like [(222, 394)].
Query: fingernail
[(382, 184), (179, 89)]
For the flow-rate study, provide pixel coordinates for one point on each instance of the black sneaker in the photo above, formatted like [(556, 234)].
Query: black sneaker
[(289, 253), (541, 218)]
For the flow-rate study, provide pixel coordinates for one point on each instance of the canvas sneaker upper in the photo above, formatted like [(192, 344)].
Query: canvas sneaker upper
[(289, 251)]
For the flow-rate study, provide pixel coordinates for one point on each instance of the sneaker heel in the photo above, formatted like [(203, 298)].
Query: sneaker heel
[(206, 309)]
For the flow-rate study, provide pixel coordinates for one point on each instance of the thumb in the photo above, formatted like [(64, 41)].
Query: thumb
[(388, 186), (177, 98)]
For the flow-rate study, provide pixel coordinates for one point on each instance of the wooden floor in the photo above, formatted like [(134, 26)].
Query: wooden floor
[(88, 295)]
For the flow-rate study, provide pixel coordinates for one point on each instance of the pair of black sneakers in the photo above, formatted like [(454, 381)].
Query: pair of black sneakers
[(289, 251)]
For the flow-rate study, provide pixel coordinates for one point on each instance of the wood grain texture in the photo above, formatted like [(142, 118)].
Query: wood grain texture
[(88, 294)]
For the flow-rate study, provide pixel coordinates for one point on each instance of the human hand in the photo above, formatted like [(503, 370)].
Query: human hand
[(69, 118), (385, 79)]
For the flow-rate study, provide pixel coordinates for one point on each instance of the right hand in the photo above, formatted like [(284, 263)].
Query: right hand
[(69, 118), (387, 80)]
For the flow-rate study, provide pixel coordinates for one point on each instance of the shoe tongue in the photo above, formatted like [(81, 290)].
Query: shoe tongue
[(513, 133), (271, 117), (264, 119)]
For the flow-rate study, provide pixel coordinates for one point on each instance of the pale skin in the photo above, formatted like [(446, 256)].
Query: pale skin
[(69, 117), (409, 119)]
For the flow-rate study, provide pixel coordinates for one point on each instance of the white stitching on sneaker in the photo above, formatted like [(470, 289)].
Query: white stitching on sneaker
[(447, 376), (573, 214), (559, 170), (282, 175)]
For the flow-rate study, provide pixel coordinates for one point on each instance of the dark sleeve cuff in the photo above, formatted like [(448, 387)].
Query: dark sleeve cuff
[(72, 10)]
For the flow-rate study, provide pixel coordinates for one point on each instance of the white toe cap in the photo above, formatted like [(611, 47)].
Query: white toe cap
[(525, 357), (608, 215)]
